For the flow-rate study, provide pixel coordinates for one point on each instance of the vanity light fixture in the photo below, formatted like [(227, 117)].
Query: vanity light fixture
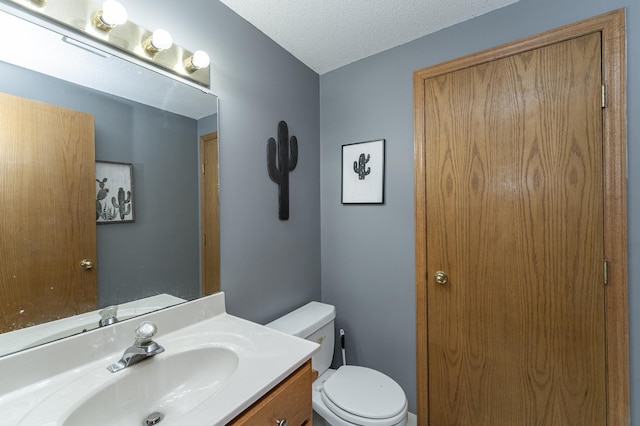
[(111, 26), (197, 61), (159, 40), (110, 15)]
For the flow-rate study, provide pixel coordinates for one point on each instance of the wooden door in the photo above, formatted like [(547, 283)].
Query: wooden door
[(47, 226), (510, 205), (514, 212), (210, 215)]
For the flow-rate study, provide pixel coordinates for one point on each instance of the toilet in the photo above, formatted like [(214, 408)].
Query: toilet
[(349, 395)]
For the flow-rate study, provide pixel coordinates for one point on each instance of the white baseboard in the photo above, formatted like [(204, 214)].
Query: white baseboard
[(412, 420)]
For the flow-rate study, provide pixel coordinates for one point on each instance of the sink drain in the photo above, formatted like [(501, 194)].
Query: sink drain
[(153, 419)]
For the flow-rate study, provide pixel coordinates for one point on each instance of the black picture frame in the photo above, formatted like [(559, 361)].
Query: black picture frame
[(363, 172), (114, 193)]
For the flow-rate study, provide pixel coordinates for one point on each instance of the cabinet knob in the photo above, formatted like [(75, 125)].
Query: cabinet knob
[(281, 422)]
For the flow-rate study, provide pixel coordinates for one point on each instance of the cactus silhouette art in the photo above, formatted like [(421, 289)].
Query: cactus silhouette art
[(100, 195), (108, 213), (122, 204), (360, 166), (287, 161)]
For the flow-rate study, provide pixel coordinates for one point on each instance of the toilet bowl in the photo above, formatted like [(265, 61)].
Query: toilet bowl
[(350, 395), (359, 396)]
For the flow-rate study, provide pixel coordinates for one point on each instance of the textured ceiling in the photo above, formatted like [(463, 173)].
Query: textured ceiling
[(327, 34)]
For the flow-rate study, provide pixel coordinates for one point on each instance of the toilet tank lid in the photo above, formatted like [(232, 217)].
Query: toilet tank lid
[(305, 320)]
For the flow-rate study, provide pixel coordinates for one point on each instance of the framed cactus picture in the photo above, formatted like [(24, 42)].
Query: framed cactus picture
[(363, 172), (114, 192)]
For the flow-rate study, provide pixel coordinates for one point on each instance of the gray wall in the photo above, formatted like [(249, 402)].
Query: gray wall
[(159, 252), (368, 255), (208, 124), (268, 266)]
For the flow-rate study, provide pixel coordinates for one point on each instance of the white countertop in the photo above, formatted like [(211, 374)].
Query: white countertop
[(35, 335), (34, 380)]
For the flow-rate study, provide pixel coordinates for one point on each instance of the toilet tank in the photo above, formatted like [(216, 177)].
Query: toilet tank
[(314, 322)]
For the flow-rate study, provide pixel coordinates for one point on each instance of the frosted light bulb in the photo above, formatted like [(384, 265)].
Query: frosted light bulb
[(113, 13), (200, 59), (161, 39)]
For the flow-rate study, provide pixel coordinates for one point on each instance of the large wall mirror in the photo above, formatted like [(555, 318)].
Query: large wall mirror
[(142, 118)]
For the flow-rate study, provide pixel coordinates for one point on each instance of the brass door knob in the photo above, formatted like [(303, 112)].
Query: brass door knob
[(86, 264), (441, 278)]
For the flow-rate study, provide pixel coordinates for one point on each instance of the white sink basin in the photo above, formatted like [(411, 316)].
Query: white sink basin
[(172, 385), (214, 366)]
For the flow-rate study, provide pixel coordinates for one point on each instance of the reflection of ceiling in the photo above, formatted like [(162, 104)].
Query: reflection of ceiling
[(328, 34), (47, 52)]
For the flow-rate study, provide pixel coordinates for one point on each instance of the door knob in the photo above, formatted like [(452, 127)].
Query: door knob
[(441, 278), (86, 264)]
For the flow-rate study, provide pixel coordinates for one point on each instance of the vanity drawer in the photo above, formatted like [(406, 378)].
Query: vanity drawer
[(290, 401)]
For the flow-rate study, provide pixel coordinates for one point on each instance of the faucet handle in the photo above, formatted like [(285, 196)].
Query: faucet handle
[(108, 315), (145, 331)]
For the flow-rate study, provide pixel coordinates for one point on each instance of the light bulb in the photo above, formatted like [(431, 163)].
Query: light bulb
[(198, 60), (110, 16), (159, 40), (113, 13)]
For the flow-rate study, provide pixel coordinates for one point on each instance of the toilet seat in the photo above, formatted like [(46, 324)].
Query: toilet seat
[(364, 397)]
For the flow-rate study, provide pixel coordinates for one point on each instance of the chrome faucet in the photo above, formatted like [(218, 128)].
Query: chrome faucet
[(144, 347)]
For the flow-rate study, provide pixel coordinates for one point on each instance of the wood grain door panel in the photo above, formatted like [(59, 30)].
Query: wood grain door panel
[(47, 193), (514, 215), (210, 214)]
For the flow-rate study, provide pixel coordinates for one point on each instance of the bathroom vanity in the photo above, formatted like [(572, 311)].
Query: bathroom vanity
[(289, 402), (216, 369)]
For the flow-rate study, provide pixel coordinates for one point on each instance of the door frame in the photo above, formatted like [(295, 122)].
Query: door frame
[(612, 27), (209, 216)]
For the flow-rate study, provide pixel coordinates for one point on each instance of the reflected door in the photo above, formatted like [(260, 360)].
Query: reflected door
[(514, 218), (47, 225), (209, 214)]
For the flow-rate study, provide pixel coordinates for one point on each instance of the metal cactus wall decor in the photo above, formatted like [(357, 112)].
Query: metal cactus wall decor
[(287, 160)]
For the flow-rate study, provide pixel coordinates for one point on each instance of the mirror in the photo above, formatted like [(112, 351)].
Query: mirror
[(142, 117)]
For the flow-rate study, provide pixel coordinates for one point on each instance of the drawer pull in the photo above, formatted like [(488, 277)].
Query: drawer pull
[(281, 422)]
